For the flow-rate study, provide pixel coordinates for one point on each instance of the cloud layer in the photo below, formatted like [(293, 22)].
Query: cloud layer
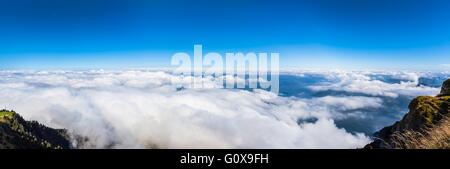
[(142, 109), (374, 83)]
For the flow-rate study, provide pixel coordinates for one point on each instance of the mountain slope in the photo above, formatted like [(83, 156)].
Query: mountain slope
[(426, 125), (16, 133)]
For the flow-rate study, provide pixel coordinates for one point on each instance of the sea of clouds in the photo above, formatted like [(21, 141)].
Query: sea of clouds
[(147, 108)]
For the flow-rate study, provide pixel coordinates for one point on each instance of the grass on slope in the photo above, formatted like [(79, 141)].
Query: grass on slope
[(6, 113), (434, 137)]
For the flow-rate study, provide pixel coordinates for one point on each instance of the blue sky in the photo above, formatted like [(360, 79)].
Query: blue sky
[(85, 34)]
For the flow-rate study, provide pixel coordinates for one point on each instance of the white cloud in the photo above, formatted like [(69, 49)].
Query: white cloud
[(361, 82), (137, 108), (349, 102)]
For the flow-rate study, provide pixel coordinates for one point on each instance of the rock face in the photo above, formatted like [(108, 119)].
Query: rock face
[(16, 133), (445, 89), (427, 117)]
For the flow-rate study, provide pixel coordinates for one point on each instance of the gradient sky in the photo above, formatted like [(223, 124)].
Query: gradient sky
[(85, 34)]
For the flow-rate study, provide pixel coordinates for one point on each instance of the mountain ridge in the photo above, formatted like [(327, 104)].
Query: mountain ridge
[(426, 125), (17, 133)]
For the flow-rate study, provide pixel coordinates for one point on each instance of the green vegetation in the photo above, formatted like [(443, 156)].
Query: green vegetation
[(16, 133), (430, 109), (425, 126), (6, 113)]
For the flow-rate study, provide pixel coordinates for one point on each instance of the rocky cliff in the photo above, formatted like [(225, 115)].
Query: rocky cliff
[(426, 125)]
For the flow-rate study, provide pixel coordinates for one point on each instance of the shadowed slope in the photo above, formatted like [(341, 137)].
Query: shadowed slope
[(16, 133)]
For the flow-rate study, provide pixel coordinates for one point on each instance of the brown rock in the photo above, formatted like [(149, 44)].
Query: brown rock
[(445, 89)]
